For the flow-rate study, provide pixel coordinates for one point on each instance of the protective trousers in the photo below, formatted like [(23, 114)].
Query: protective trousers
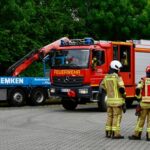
[(140, 122), (114, 116)]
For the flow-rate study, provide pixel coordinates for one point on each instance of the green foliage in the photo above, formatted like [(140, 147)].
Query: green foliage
[(30, 24), (35, 70)]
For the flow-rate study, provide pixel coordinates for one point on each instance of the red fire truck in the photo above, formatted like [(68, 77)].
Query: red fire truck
[(78, 67)]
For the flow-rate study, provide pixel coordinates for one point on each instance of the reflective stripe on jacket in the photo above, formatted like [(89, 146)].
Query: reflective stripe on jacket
[(111, 84), (144, 85)]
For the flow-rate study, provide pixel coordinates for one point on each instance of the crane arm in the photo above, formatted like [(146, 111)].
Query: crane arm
[(33, 56)]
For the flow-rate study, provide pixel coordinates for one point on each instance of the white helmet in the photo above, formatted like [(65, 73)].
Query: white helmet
[(115, 64)]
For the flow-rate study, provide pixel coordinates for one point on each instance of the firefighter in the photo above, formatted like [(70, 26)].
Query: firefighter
[(115, 90), (143, 109), (124, 60), (94, 62)]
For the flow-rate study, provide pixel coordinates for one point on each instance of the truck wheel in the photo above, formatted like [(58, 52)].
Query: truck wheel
[(17, 97), (69, 104), (38, 96), (102, 106)]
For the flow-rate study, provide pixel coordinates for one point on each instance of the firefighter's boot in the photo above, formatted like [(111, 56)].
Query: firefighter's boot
[(147, 137), (135, 137), (108, 134), (117, 136)]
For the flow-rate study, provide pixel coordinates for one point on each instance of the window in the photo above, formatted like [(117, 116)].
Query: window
[(115, 54), (125, 58), (70, 58), (100, 57)]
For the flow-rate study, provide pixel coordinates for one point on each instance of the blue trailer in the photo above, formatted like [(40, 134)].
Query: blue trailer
[(30, 90), (18, 90)]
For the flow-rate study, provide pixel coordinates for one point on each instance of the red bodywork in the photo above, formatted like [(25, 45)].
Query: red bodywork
[(146, 87), (94, 77), (90, 77)]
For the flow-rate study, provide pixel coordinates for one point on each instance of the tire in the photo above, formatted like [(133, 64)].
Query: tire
[(102, 106), (38, 96), (69, 104), (17, 97)]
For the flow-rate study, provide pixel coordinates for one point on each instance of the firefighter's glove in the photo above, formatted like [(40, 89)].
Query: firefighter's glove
[(122, 90), (124, 108), (137, 91), (138, 110)]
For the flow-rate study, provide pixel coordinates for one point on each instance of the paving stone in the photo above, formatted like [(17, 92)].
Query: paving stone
[(50, 127)]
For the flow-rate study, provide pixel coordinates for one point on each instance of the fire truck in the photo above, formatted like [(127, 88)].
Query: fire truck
[(31, 90), (78, 67)]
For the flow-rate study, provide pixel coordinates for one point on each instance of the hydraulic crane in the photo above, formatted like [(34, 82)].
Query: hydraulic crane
[(31, 90), (31, 57)]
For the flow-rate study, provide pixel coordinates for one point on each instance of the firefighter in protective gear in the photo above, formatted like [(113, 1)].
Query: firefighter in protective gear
[(94, 62), (143, 95), (124, 60), (115, 90)]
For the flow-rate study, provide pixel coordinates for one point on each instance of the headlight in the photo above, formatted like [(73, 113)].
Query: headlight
[(83, 91), (52, 90)]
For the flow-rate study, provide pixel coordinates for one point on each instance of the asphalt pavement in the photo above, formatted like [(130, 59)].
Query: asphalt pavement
[(50, 127)]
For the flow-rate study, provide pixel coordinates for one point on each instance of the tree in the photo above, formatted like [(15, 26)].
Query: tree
[(30, 24)]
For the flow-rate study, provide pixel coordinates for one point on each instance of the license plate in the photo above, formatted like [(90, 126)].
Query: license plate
[(65, 90)]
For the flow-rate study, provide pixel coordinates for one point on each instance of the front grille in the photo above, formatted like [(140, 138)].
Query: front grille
[(68, 81)]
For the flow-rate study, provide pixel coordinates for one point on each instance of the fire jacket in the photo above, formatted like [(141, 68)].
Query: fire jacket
[(111, 84), (144, 86), (94, 62)]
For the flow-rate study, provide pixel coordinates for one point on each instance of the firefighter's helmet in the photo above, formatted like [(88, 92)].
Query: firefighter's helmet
[(148, 71), (115, 64)]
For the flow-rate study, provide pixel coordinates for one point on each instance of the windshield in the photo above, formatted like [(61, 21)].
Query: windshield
[(70, 58)]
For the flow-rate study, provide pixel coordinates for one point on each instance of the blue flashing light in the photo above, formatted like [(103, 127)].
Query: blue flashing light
[(89, 41)]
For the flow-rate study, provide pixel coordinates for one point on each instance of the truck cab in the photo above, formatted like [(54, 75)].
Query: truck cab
[(78, 67)]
